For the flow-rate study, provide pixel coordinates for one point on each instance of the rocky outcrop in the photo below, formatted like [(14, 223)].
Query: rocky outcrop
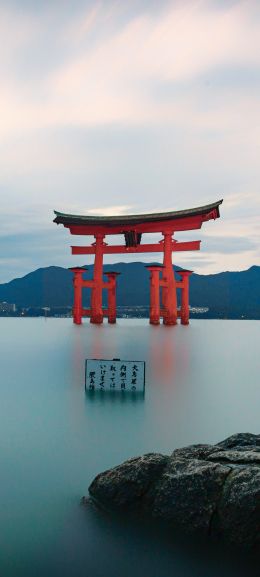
[(211, 490)]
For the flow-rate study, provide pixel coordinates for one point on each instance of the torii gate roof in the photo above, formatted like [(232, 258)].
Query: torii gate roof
[(191, 218)]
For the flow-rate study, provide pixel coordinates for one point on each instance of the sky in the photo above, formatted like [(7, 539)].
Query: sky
[(128, 106)]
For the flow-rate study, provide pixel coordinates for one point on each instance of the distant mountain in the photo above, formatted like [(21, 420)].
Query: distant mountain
[(227, 294), (233, 294), (51, 286)]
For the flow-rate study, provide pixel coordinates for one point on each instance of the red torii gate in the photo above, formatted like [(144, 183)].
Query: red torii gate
[(132, 227)]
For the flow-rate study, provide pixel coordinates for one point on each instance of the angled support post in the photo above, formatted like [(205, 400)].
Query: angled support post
[(111, 297), (169, 296), (78, 284), (155, 271), (185, 310), (96, 315)]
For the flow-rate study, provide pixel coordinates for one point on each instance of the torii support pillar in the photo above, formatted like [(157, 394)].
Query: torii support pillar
[(155, 293), (185, 311), (169, 296), (78, 284), (111, 297), (96, 315)]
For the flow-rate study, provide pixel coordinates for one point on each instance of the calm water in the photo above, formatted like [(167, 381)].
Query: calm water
[(202, 385)]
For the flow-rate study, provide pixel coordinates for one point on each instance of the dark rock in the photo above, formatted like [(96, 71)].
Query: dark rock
[(127, 485), (200, 489), (234, 456), (238, 515), (85, 501), (188, 493), (240, 440), (195, 452)]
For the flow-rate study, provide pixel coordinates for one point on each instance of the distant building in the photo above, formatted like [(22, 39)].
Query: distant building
[(7, 307), (199, 310)]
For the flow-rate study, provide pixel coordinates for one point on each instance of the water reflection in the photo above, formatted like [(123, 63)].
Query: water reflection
[(55, 438), (162, 552), (161, 353), (112, 397), (77, 356)]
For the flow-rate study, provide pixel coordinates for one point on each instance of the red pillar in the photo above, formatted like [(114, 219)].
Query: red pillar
[(96, 315), (185, 311), (155, 294), (111, 297), (169, 288), (78, 284)]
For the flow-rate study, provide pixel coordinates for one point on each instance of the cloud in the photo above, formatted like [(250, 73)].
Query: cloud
[(244, 228), (232, 201), (110, 210), (116, 107), (100, 70), (228, 244)]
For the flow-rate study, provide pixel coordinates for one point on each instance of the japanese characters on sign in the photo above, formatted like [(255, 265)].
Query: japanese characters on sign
[(114, 374)]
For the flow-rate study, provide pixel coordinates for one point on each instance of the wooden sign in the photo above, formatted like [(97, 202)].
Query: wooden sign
[(114, 375)]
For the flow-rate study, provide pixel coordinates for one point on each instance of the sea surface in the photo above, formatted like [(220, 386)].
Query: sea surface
[(202, 385)]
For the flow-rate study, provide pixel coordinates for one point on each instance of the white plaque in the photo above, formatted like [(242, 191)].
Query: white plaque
[(114, 375)]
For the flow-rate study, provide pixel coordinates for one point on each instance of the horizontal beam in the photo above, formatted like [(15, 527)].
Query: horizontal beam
[(91, 283), (118, 249), (188, 223)]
